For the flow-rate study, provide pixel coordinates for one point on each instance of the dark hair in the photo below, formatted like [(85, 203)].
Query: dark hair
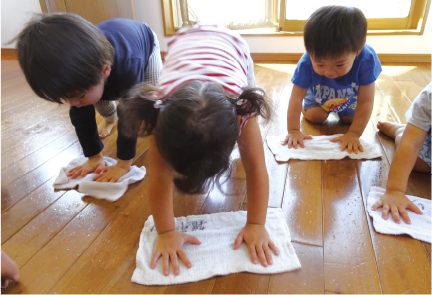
[(196, 127), (333, 31), (62, 55)]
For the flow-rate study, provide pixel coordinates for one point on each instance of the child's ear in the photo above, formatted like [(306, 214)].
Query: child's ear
[(106, 70)]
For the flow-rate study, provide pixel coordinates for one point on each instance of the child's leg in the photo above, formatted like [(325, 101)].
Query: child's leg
[(395, 131), (9, 270), (312, 110), (315, 114), (154, 65), (108, 110)]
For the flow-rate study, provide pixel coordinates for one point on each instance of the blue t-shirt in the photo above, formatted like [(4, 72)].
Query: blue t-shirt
[(133, 43), (365, 70)]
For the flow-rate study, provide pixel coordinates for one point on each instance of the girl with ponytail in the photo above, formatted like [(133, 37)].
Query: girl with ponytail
[(205, 103)]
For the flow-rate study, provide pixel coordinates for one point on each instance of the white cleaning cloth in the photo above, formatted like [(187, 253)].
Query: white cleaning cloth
[(215, 255), (110, 191), (420, 227), (319, 148)]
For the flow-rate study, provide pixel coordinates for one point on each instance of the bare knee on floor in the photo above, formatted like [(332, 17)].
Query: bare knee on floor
[(347, 120), (421, 166), (315, 115)]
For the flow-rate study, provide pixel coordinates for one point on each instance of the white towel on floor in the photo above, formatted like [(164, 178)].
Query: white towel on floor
[(215, 255), (319, 148), (110, 191), (420, 227)]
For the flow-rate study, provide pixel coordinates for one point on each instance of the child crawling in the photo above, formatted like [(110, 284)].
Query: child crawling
[(205, 103)]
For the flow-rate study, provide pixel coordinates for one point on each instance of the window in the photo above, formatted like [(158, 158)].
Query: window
[(289, 16), (381, 14)]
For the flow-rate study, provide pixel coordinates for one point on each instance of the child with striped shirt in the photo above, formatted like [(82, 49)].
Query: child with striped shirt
[(205, 103)]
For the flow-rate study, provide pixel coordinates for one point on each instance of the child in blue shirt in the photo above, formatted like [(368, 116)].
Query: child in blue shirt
[(335, 74), (68, 59)]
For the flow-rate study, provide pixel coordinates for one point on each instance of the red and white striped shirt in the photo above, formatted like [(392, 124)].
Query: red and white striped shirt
[(206, 52)]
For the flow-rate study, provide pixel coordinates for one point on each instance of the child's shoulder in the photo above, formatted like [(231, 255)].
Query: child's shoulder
[(367, 53)]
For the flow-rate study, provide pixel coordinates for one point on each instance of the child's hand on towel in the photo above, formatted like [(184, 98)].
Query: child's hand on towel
[(113, 173), (350, 141), (295, 137), (93, 164), (258, 241), (169, 245), (396, 202)]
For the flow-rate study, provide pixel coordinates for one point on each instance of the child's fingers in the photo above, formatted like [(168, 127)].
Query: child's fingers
[(294, 144), (252, 254), (376, 205), (395, 214), (301, 143), (261, 255), (405, 216), (355, 148), (308, 137), (100, 168), (174, 262), (73, 170), (155, 259), (192, 240), (165, 263), (350, 148), (238, 241), (273, 248), (385, 211), (182, 254), (360, 147), (414, 208), (290, 143), (268, 255)]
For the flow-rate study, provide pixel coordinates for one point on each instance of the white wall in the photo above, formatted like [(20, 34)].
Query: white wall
[(149, 11), (14, 15)]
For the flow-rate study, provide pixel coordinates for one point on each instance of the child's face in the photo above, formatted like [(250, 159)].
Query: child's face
[(334, 68), (92, 96)]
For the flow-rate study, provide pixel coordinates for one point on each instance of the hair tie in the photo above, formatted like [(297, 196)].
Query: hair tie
[(158, 104), (240, 101)]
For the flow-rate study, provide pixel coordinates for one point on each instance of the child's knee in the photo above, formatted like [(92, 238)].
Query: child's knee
[(346, 119), (315, 115)]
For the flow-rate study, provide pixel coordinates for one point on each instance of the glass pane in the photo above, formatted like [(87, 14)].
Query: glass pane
[(224, 11), (301, 10)]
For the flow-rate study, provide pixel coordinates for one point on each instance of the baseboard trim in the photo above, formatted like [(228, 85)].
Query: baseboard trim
[(10, 54), (295, 57)]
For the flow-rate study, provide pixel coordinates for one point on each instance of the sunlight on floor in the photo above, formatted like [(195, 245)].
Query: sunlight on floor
[(396, 70), (285, 68)]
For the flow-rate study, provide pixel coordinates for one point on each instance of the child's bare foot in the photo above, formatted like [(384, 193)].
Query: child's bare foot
[(9, 270), (104, 128), (391, 129)]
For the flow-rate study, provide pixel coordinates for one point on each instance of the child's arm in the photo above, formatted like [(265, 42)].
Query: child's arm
[(170, 241), (406, 154), (293, 121), (254, 233), (363, 111)]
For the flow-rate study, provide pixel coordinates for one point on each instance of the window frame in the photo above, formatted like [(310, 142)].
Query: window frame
[(412, 25)]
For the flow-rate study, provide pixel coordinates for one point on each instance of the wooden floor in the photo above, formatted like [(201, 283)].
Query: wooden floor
[(65, 242)]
